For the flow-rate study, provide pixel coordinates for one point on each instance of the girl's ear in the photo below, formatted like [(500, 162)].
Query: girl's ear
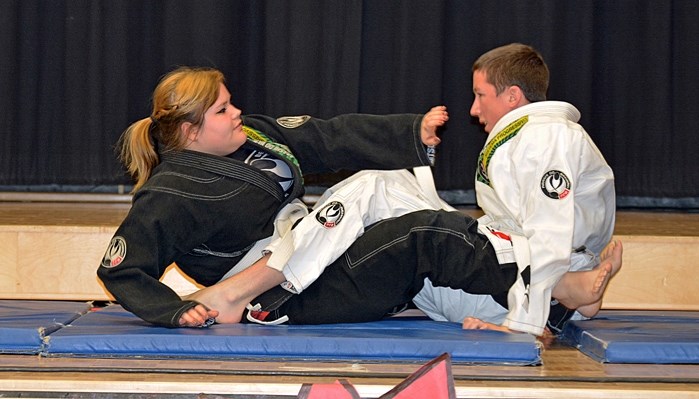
[(189, 131)]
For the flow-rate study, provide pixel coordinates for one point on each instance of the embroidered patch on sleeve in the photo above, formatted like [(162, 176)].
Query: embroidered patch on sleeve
[(331, 214), (116, 252), (292, 122), (555, 184)]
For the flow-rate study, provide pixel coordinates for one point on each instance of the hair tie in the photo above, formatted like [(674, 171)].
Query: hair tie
[(153, 125), (151, 132)]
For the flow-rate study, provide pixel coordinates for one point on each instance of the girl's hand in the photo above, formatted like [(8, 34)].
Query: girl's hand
[(433, 119), (196, 316)]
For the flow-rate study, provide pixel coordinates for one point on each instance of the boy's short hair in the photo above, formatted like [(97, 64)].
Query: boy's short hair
[(515, 64)]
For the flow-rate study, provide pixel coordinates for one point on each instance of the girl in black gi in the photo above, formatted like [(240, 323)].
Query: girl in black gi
[(210, 182)]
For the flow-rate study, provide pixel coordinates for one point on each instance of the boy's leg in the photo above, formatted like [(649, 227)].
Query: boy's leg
[(387, 265)]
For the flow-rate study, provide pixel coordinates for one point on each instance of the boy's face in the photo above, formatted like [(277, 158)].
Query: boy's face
[(488, 106)]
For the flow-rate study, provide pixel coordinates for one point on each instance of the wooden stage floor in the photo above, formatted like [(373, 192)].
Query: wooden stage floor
[(565, 372)]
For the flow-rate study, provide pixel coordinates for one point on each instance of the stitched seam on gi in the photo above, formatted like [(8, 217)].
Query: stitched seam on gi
[(200, 197), (192, 178), (227, 167), (206, 251), (455, 233)]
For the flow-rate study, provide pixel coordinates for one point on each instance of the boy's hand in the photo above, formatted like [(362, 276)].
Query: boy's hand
[(472, 323)]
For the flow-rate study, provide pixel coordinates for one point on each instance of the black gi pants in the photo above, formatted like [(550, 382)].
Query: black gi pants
[(387, 265)]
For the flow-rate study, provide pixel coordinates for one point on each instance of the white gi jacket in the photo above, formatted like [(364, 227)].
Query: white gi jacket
[(543, 182), (340, 216)]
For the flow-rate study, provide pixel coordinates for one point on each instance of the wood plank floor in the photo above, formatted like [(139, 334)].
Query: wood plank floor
[(93, 213), (565, 372)]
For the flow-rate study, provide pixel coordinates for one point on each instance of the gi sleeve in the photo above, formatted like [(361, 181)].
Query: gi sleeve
[(545, 164), (348, 142), (340, 217), (144, 245)]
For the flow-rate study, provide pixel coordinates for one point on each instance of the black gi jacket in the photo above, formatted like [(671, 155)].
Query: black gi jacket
[(205, 221)]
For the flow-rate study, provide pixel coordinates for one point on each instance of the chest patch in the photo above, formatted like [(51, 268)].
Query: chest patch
[(555, 184)]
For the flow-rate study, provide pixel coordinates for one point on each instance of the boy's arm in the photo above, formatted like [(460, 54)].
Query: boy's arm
[(545, 170)]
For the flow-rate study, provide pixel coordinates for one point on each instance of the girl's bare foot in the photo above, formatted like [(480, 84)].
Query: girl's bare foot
[(584, 290), (600, 284)]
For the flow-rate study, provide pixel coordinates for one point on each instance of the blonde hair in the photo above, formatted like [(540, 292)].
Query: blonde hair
[(182, 95), (515, 64)]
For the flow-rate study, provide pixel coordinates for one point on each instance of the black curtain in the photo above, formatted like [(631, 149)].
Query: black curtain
[(75, 73)]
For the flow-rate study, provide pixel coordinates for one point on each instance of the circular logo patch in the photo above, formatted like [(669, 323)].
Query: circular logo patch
[(555, 184), (331, 214), (291, 122), (116, 252)]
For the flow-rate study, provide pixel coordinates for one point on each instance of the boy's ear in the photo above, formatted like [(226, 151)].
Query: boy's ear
[(515, 97)]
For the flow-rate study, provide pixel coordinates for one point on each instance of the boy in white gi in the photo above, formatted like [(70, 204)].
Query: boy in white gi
[(541, 181), (543, 185)]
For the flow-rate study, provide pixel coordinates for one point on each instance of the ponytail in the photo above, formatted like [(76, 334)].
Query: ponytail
[(138, 152)]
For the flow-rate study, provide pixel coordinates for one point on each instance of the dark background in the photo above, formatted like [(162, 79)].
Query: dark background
[(75, 73)]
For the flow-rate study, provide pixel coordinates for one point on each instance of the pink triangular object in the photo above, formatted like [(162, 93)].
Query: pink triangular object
[(340, 389), (433, 380)]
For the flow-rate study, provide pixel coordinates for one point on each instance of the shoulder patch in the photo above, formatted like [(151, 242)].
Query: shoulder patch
[(116, 252), (555, 184), (292, 122), (331, 214)]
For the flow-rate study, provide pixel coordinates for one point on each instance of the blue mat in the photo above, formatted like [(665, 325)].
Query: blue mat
[(657, 337), (25, 324), (113, 332)]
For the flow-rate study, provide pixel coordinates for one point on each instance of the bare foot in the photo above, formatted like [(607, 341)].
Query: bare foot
[(610, 263), (230, 296), (584, 290), (213, 297)]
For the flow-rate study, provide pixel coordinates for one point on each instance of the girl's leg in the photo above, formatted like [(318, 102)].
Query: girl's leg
[(386, 267), (583, 290)]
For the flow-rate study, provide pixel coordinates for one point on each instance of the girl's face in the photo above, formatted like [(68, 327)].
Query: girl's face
[(222, 130)]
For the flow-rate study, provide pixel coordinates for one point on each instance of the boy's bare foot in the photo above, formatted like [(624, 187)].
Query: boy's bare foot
[(584, 290), (230, 296), (229, 309)]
